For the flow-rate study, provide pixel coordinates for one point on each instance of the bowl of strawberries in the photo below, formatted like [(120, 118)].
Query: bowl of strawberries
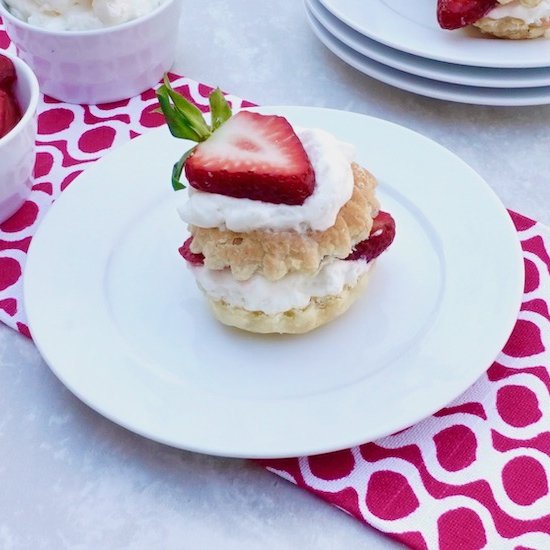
[(19, 93)]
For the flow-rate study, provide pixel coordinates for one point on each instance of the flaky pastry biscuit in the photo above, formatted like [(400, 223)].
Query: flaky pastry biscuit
[(274, 254), (512, 28), (295, 321)]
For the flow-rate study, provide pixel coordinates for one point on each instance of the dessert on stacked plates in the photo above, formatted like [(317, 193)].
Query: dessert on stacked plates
[(495, 53)]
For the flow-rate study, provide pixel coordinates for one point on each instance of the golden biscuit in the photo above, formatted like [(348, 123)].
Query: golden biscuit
[(295, 321), (512, 28), (274, 254)]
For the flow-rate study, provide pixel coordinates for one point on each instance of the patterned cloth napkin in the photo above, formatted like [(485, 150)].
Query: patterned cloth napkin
[(474, 475)]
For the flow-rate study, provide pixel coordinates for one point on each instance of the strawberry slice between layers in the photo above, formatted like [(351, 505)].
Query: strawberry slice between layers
[(187, 255), (380, 238), (456, 14), (253, 156)]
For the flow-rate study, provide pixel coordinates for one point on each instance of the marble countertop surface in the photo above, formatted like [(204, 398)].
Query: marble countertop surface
[(71, 479)]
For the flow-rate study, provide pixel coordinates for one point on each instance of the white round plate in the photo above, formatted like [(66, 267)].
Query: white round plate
[(411, 26), (119, 319), (428, 68), (424, 86)]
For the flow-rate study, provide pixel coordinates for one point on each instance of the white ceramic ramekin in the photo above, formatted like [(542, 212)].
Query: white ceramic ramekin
[(17, 148), (100, 65)]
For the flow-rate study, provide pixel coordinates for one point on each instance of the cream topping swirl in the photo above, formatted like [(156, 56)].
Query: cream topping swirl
[(518, 10), (331, 161), (294, 291)]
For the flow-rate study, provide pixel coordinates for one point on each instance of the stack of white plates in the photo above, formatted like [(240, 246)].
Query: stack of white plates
[(400, 43)]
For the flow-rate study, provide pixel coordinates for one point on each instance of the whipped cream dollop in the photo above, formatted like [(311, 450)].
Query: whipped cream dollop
[(78, 15), (531, 15), (294, 291), (331, 161)]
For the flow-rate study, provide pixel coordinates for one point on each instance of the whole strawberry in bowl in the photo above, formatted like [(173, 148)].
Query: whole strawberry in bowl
[(19, 95), (10, 113)]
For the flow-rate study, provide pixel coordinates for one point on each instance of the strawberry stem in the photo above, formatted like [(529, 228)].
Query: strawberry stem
[(178, 169)]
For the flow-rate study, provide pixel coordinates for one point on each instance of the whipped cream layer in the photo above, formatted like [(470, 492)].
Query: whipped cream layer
[(291, 292), (531, 15), (331, 161), (78, 15)]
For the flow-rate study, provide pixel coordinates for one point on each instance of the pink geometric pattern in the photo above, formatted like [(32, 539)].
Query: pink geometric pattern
[(474, 475)]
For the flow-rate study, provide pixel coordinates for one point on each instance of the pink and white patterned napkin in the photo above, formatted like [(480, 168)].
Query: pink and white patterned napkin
[(474, 475)]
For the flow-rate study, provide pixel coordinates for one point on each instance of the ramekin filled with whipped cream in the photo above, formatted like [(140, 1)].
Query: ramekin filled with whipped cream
[(94, 51), (79, 15)]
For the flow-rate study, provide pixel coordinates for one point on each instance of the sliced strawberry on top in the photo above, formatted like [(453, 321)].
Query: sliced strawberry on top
[(381, 236), (7, 72), (248, 155), (455, 14), (253, 156)]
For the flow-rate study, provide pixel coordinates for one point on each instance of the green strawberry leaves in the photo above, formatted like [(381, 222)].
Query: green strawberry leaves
[(186, 121), (178, 169), (220, 110)]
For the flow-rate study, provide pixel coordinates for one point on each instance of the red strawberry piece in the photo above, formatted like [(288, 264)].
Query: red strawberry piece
[(191, 257), (7, 72), (253, 156), (9, 113), (455, 14), (380, 238)]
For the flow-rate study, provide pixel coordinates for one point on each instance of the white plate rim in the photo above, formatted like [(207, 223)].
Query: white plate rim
[(447, 46), (471, 95), (428, 68), (34, 304)]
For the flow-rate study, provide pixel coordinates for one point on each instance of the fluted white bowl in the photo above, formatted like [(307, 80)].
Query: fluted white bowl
[(99, 65), (17, 147)]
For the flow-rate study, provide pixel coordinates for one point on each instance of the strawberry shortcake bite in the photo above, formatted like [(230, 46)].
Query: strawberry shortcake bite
[(513, 19), (285, 226)]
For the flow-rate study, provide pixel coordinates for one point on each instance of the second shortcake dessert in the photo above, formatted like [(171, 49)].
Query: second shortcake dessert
[(512, 19)]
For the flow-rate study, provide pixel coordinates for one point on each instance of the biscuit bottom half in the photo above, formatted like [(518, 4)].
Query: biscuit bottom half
[(294, 321)]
